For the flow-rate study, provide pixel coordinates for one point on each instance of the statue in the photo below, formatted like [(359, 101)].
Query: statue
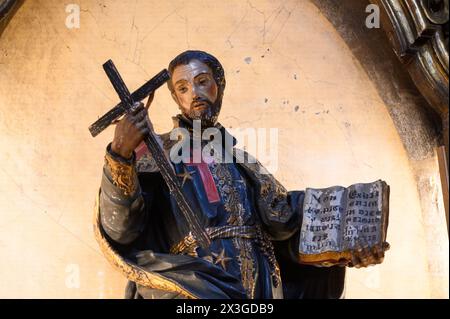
[(248, 242)]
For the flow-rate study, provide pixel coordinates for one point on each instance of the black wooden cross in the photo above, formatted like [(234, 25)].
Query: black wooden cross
[(122, 108)]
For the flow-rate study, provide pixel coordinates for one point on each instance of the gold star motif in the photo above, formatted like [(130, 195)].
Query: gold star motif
[(220, 258), (186, 175)]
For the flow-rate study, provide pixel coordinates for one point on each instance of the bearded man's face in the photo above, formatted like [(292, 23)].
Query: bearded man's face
[(196, 92)]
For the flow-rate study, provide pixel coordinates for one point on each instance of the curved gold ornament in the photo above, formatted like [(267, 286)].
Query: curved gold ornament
[(131, 271)]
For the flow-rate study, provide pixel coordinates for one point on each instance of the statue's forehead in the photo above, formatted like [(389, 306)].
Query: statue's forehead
[(189, 71)]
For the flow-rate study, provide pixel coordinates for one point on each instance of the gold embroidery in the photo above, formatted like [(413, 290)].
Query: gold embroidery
[(187, 245), (132, 271), (237, 216), (272, 202), (246, 263), (271, 195), (123, 175), (229, 193)]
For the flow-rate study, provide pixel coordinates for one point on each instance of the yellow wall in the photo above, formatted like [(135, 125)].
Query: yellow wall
[(52, 87)]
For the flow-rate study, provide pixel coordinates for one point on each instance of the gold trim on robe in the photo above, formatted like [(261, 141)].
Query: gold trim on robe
[(132, 271)]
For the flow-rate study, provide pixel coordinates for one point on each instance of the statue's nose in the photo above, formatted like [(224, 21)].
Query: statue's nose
[(195, 92)]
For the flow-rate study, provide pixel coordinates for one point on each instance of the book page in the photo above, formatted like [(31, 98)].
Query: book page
[(321, 225), (363, 216)]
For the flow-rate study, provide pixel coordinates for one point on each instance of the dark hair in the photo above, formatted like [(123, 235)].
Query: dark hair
[(214, 64)]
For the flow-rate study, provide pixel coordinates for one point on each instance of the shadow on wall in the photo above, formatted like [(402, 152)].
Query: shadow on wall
[(417, 124)]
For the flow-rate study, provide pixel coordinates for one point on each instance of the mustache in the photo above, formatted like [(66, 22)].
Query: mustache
[(199, 101)]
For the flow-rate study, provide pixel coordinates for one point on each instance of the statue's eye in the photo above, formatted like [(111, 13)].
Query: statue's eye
[(182, 89), (203, 81)]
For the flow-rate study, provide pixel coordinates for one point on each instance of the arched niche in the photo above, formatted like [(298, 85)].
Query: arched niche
[(345, 108)]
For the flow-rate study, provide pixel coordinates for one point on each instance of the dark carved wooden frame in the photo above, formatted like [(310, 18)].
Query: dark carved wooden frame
[(418, 32)]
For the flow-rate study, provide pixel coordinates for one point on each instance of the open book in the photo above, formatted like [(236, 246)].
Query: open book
[(337, 219)]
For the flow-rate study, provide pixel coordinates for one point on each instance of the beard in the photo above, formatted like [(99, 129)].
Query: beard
[(208, 115)]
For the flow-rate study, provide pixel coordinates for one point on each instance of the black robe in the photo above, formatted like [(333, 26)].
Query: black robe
[(136, 233)]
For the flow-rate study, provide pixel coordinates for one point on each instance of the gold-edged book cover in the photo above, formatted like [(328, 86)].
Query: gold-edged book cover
[(338, 219)]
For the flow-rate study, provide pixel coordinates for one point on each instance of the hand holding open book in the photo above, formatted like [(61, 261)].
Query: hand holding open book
[(345, 226), (365, 256)]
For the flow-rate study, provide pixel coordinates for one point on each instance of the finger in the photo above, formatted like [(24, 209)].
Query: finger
[(342, 262), (355, 260), (364, 258), (128, 118), (141, 114), (378, 251), (367, 257), (362, 248), (138, 117), (358, 255), (141, 124), (136, 108), (386, 246), (150, 100), (132, 119), (358, 248), (375, 256)]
